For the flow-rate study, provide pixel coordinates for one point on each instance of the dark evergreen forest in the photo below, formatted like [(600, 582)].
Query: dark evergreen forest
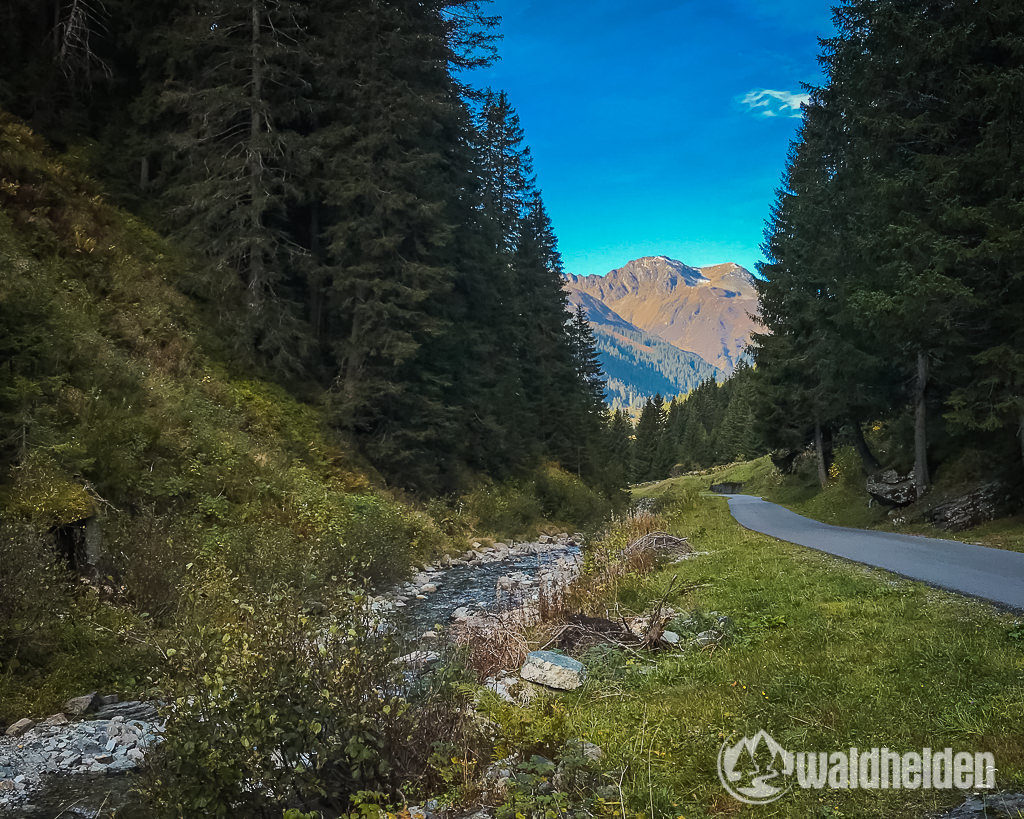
[(894, 289), (367, 225)]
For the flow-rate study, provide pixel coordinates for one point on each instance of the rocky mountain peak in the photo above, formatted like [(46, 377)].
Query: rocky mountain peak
[(705, 310)]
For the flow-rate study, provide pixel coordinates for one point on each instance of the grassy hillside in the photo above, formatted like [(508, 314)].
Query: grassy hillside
[(126, 423), (118, 406)]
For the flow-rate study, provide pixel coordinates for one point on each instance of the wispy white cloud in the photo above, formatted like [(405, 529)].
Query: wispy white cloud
[(769, 103)]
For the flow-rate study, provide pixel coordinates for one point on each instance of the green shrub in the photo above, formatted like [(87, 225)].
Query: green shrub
[(550, 496), (34, 590), (272, 708), (275, 705), (847, 469), (565, 498), (148, 554), (57, 638), (509, 509)]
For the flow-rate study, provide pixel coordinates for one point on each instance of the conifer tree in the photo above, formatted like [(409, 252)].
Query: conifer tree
[(227, 80), (648, 457)]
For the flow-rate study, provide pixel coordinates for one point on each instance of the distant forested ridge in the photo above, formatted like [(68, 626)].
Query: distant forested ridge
[(637, 364), (714, 424), (367, 226), (893, 293)]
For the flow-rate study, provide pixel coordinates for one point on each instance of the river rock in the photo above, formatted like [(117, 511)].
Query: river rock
[(553, 670), (670, 637), (20, 727), (890, 488), (428, 588), (77, 706), (129, 710)]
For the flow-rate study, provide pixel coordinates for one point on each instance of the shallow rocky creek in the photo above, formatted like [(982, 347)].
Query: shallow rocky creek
[(494, 580)]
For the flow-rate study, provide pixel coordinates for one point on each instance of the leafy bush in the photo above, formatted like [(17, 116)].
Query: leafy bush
[(549, 496), (148, 556), (33, 589), (565, 498), (509, 509), (846, 468), (274, 708)]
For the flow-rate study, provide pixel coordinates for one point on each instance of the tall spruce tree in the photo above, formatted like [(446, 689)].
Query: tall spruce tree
[(228, 82)]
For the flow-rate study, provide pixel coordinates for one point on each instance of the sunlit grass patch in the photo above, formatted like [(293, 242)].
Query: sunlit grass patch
[(824, 655)]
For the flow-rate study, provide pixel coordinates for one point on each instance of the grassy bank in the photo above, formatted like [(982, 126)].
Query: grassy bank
[(845, 502), (825, 655)]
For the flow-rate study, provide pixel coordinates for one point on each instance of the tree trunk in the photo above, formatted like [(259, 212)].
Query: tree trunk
[(255, 214), (819, 449), (1020, 434), (921, 477), (867, 457)]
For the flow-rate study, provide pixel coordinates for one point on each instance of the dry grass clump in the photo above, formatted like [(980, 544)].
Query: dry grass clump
[(631, 546)]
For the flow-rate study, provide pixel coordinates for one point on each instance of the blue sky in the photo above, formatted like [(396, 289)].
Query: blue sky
[(648, 121)]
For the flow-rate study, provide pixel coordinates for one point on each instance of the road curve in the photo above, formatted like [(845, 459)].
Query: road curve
[(996, 575)]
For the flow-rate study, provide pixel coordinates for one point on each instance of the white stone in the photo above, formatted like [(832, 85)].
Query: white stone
[(553, 670)]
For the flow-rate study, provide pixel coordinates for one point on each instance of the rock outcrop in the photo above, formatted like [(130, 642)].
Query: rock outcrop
[(892, 489), (987, 502)]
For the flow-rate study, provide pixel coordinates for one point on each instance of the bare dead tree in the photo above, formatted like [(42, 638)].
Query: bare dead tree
[(78, 25)]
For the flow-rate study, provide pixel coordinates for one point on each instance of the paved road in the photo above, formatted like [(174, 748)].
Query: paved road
[(992, 574)]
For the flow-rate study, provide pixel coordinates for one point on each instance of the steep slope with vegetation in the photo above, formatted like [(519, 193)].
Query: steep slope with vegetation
[(373, 233), (117, 406), (211, 511), (248, 315)]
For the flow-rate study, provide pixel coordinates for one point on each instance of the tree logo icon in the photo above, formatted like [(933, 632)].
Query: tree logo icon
[(756, 769)]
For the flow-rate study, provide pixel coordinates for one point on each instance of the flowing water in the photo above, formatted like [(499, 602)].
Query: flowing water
[(476, 586)]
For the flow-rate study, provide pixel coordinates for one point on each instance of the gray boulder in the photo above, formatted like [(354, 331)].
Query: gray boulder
[(146, 711), (890, 488), (77, 706), (20, 727), (553, 670)]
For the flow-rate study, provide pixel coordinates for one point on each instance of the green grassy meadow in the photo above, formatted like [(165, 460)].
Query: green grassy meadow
[(824, 655)]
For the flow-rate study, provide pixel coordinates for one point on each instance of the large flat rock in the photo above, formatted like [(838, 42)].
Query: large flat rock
[(553, 670)]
